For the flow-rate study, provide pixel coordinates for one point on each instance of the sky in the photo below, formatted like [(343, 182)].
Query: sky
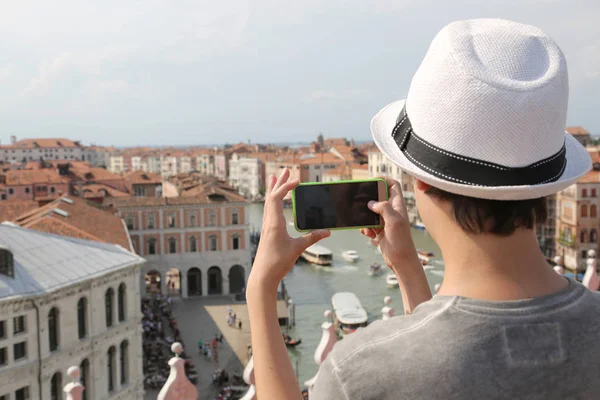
[(191, 72)]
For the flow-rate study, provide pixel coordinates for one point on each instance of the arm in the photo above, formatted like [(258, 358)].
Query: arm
[(277, 252)]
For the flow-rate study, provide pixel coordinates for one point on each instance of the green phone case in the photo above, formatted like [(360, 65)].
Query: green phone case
[(387, 193)]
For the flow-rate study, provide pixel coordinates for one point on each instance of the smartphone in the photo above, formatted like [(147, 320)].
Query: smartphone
[(337, 205)]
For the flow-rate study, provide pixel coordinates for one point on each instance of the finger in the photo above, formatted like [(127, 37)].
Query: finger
[(311, 238), (368, 233), (271, 183), (383, 208), (283, 190), (283, 178)]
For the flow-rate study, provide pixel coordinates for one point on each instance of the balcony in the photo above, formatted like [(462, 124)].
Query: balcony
[(567, 242)]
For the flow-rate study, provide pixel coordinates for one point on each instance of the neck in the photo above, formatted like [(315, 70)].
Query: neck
[(496, 268)]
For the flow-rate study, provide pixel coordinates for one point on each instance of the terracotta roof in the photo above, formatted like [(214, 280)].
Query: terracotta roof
[(92, 174), (95, 190), (77, 218), (360, 166), (590, 177), (140, 177), (35, 143), (201, 194), (323, 158), (10, 209), (28, 177), (577, 130), (341, 170)]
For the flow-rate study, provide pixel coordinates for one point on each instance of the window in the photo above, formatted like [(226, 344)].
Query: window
[(593, 211), (11, 191), (212, 219), (6, 263), (172, 245), (108, 306), (20, 350), (3, 196), (584, 210), (583, 192), (111, 368), (84, 369), (212, 243), (150, 222), (129, 221), (171, 221), (235, 218), (583, 253), (139, 191), (2, 329), (27, 190), (121, 301), (193, 244), (22, 394), (236, 242), (53, 328), (52, 189), (56, 387), (192, 219), (19, 324), (3, 356), (81, 317), (593, 236), (123, 361), (583, 236), (593, 193), (151, 246)]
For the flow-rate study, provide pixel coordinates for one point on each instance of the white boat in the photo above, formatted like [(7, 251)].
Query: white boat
[(348, 312), (391, 280), (418, 225), (375, 269), (317, 254), (425, 256), (350, 255)]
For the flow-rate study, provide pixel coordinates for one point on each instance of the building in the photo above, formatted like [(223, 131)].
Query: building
[(65, 302), (97, 156), (313, 166), (578, 220), (246, 175), (205, 162), (199, 244), (581, 134), (546, 231), (36, 149), (221, 160), (339, 173), (38, 185), (116, 164), (360, 171), (144, 184)]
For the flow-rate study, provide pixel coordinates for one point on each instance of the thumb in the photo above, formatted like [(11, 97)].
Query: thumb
[(311, 238), (383, 208)]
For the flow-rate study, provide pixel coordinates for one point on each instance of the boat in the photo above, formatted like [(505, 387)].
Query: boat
[(289, 342), (425, 256), (391, 280), (418, 225), (350, 255), (349, 315), (317, 254), (375, 269)]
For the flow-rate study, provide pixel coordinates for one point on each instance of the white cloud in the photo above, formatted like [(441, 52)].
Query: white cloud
[(6, 73)]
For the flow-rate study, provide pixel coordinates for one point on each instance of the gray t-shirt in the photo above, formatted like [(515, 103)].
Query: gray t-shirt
[(460, 348)]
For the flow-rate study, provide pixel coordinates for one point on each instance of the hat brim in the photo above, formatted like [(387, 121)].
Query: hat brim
[(578, 164)]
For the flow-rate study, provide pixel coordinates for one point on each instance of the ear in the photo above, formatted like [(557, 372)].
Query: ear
[(422, 186)]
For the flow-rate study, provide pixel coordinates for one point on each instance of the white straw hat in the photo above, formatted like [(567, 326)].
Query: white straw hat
[(486, 114)]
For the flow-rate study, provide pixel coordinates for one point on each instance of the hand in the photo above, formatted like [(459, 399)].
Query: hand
[(278, 251), (394, 239)]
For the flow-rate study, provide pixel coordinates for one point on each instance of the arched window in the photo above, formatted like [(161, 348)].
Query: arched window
[(212, 218), (235, 242), (193, 244), (124, 361), (53, 328), (129, 221), (121, 302), (109, 299), (151, 246), (171, 221), (7, 263), (110, 364), (593, 211), (212, 243), (82, 317), (150, 224), (583, 236), (84, 369), (235, 218), (56, 387), (192, 219), (584, 210), (172, 245), (593, 236)]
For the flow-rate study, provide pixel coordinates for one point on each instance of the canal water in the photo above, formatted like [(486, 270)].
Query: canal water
[(311, 286)]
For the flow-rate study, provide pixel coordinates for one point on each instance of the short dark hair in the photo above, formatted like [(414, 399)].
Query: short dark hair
[(499, 217)]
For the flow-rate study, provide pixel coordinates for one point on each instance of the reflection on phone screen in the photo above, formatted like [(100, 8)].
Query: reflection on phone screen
[(339, 205)]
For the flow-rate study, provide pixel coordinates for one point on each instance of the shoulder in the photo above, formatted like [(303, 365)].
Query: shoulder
[(375, 338)]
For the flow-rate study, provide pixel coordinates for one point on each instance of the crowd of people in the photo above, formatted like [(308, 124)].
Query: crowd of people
[(160, 332)]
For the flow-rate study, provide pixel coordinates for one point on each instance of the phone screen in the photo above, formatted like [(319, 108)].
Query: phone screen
[(339, 205)]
